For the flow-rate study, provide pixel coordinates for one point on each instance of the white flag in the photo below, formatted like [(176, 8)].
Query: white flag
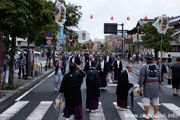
[(161, 24)]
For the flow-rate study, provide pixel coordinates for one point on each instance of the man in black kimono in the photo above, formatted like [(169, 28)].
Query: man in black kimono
[(123, 88), (72, 59), (77, 59), (103, 70), (71, 87), (117, 68), (88, 63), (108, 59), (93, 88)]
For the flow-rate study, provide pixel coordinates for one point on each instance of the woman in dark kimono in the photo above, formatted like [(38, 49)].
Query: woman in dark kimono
[(123, 88), (103, 69), (117, 68), (71, 87), (93, 88)]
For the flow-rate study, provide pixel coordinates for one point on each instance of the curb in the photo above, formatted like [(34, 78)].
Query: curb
[(23, 89)]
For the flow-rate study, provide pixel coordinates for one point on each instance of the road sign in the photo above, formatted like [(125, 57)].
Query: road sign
[(61, 36), (48, 38), (49, 42), (48, 33), (42, 46)]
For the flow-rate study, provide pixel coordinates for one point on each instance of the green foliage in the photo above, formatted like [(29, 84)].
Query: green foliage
[(152, 39), (69, 48), (133, 47), (78, 46), (104, 46), (84, 46)]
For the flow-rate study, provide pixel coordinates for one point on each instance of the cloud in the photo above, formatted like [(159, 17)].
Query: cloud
[(102, 10)]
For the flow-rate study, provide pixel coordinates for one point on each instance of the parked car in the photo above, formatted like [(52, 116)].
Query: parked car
[(36, 53)]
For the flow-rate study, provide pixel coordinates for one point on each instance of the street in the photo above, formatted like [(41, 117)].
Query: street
[(37, 103)]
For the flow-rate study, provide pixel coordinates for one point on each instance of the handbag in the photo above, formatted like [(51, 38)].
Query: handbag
[(59, 104)]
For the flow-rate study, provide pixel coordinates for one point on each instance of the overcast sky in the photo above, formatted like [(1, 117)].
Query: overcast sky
[(102, 10)]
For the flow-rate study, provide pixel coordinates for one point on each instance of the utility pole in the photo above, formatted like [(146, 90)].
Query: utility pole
[(122, 40)]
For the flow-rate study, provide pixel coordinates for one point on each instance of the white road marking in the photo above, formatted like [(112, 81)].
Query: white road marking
[(125, 115), (10, 112), (151, 112), (175, 109), (168, 86), (98, 115), (27, 92), (112, 85), (40, 111)]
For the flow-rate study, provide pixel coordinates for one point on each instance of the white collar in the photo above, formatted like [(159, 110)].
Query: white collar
[(127, 71)]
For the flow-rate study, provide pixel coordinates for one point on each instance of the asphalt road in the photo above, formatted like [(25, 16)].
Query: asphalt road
[(37, 104)]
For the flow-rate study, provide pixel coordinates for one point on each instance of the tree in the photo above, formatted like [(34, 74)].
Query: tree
[(24, 19), (84, 47), (133, 47), (152, 39)]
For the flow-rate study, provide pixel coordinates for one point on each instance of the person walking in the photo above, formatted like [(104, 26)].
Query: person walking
[(117, 68), (88, 64), (150, 85), (93, 88), (59, 71), (103, 69), (123, 87), (175, 70), (6, 63), (22, 62), (71, 88)]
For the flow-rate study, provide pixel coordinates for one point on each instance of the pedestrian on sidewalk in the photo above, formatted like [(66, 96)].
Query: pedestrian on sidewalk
[(93, 84), (59, 71), (123, 88), (71, 87), (175, 70), (117, 68), (103, 69), (6, 67), (150, 85), (22, 62)]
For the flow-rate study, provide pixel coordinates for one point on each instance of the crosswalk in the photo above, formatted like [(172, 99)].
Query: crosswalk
[(42, 108)]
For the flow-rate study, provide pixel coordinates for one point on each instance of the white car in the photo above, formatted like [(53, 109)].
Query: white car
[(36, 53)]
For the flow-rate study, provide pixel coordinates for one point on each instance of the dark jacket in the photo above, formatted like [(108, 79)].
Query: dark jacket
[(77, 59), (116, 66), (87, 67), (106, 67), (57, 67), (123, 86), (71, 60), (93, 84), (71, 87)]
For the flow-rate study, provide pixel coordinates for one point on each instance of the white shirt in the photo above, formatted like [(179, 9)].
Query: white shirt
[(72, 60), (89, 63), (102, 65), (118, 61), (127, 73), (107, 60)]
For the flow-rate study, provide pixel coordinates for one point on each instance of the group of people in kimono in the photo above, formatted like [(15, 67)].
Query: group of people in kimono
[(97, 66)]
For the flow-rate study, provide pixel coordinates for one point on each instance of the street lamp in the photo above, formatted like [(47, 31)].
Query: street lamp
[(138, 36)]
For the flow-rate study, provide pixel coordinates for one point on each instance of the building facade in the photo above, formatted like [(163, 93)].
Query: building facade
[(84, 36)]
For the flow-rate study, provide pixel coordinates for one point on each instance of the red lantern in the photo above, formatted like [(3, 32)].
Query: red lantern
[(141, 32), (136, 33), (128, 18), (70, 15), (145, 17), (112, 18), (91, 16), (168, 27)]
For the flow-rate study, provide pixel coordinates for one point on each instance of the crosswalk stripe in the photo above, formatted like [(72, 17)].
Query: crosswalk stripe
[(40, 110), (112, 85), (172, 107), (151, 112), (98, 115), (10, 112), (125, 115)]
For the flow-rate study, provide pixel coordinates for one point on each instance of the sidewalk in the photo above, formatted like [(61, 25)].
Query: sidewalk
[(8, 96)]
